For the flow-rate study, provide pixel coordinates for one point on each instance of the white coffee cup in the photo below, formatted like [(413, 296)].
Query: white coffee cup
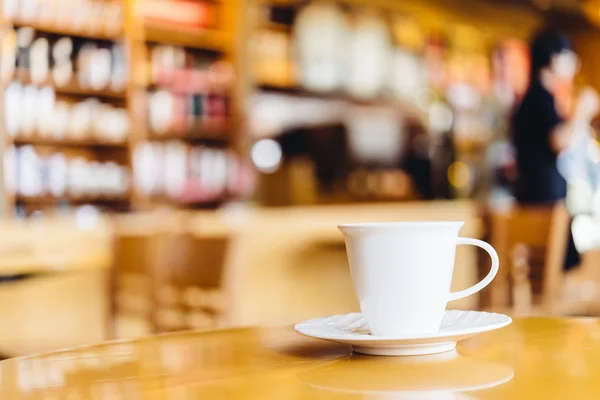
[(402, 273)]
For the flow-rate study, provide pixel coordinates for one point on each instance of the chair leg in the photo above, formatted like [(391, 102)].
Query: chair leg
[(522, 298)]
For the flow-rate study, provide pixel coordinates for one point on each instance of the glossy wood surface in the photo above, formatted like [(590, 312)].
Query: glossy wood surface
[(532, 358)]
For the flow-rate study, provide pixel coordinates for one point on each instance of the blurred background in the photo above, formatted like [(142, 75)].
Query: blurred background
[(176, 164)]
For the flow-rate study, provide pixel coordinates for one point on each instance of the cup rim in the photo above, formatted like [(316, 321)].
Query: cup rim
[(399, 224)]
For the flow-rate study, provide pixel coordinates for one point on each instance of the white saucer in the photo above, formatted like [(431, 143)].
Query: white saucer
[(352, 329)]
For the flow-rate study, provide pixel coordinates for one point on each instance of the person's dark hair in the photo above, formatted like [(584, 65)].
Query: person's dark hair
[(544, 45)]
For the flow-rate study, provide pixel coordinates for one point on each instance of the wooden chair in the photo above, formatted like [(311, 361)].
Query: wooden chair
[(170, 277), (531, 243), (137, 239), (193, 281)]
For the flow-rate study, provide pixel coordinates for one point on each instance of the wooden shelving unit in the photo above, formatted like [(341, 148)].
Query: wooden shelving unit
[(137, 35), (88, 147), (219, 41)]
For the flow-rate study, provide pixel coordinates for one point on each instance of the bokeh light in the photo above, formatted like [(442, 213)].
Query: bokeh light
[(266, 155)]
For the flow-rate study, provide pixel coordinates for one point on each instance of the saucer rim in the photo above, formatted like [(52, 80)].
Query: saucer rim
[(440, 334)]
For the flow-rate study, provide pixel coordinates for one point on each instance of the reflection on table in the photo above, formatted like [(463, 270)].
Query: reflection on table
[(438, 376)]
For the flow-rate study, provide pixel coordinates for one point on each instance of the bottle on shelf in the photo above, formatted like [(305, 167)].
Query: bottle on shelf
[(68, 63), (34, 112), (189, 95), (190, 174), (33, 175)]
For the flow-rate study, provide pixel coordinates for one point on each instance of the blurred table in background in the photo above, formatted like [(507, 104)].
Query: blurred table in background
[(54, 283), (294, 263), (52, 245)]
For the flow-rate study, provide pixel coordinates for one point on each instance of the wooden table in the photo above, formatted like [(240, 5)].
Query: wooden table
[(532, 358)]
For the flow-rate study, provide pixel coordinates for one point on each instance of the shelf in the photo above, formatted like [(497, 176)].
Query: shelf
[(183, 90), (71, 199), (275, 26), (70, 89), (188, 138), (199, 138), (37, 141), (198, 134), (67, 31), (211, 202), (197, 38), (74, 90), (332, 95), (408, 109)]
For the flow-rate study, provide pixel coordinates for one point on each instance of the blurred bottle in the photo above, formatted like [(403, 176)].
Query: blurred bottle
[(55, 174), (189, 174), (36, 113), (191, 94)]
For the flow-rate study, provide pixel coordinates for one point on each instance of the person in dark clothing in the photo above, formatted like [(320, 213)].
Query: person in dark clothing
[(540, 132)]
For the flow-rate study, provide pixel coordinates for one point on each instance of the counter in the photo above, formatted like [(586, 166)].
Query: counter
[(292, 262)]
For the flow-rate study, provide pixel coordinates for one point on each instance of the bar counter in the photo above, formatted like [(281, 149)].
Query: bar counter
[(293, 264)]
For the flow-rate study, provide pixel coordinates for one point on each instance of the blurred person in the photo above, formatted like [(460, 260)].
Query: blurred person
[(542, 129), (578, 163)]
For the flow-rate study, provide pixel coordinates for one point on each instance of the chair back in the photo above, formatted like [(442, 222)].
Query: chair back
[(531, 242), (168, 277), (193, 281), (137, 239)]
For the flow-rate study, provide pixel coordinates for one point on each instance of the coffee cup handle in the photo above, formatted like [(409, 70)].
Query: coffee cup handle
[(489, 277)]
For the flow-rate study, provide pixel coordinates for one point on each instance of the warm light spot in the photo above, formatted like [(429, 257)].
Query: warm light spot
[(459, 174)]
